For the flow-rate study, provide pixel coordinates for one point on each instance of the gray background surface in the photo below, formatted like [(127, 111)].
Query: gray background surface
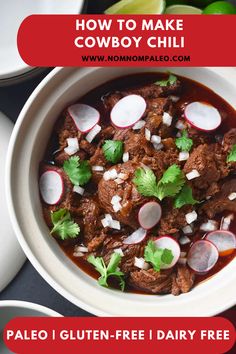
[(28, 284)]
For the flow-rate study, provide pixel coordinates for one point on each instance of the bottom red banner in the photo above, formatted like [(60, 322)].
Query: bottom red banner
[(72, 335)]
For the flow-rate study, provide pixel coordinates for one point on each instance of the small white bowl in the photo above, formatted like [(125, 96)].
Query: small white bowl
[(32, 131), (12, 309)]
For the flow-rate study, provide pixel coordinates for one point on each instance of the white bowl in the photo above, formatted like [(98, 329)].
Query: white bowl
[(32, 131), (12, 309)]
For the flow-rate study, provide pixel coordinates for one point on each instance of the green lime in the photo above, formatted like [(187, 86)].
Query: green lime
[(182, 10), (137, 7), (220, 8), (176, 2)]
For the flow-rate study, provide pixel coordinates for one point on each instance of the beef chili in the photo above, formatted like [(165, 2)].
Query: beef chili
[(138, 183)]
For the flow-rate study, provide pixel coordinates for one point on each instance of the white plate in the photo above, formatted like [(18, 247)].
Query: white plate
[(12, 309), (11, 255), (12, 13), (61, 87)]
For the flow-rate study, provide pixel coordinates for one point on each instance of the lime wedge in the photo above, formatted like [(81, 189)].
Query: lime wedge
[(137, 7), (182, 10)]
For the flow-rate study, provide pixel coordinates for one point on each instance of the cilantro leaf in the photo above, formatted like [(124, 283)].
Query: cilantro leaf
[(184, 143), (113, 150), (171, 182), (145, 181), (108, 271), (232, 155), (78, 172), (185, 197), (170, 81), (63, 225), (157, 256)]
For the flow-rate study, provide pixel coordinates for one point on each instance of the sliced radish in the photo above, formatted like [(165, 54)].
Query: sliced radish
[(225, 241), (128, 111), (202, 116), (202, 256), (51, 187), (85, 117), (170, 244), (136, 237), (149, 215)]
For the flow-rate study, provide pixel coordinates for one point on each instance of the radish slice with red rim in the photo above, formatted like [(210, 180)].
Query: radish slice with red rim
[(85, 117), (202, 256), (202, 116), (149, 215), (136, 237), (225, 241), (170, 244), (51, 187), (128, 111)]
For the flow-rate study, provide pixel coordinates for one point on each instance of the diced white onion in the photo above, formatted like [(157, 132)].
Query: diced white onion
[(180, 125), (115, 199), (193, 174), (183, 254), (81, 249), (117, 207), (183, 155), (123, 176), (191, 217), (187, 229), (155, 139), (115, 225), (119, 251), (119, 180), (140, 263), (147, 134), (226, 221), (174, 98), (210, 225), (182, 261), (184, 240), (178, 135), (73, 146), (78, 254), (109, 222), (97, 168), (78, 189), (139, 125), (93, 132), (232, 196), (158, 147), (111, 174), (167, 119), (105, 222), (125, 157)]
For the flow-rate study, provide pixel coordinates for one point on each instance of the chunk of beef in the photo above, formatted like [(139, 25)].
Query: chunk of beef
[(210, 162), (229, 140), (96, 242), (137, 145), (155, 91), (65, 129), (151, 281), (172, 219), (220, 202), (88, 209), (130, 198), (87, 147), (185, 279), (161, 160), (110, 99), (62, 156)]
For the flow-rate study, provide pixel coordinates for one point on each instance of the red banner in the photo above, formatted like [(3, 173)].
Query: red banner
[(120, 335), (102, 40)]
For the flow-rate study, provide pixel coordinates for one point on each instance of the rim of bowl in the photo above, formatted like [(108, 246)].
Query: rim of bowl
[(221, 306), (29, 306)]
